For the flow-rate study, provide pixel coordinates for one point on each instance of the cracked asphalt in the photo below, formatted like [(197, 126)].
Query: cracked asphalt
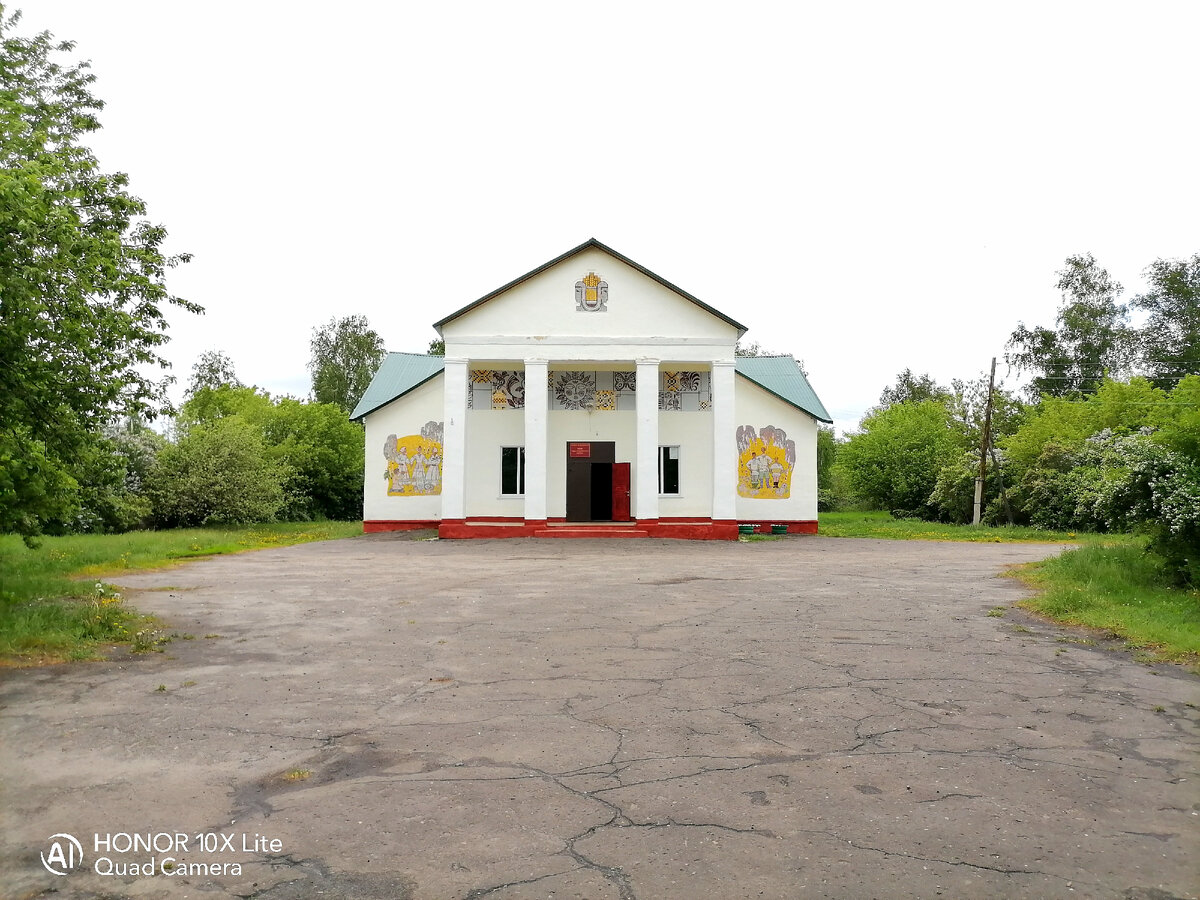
[(808, 717)]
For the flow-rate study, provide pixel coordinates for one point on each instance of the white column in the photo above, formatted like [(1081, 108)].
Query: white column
[(454, 440), (536, 412), (724, 499), (646, 474)]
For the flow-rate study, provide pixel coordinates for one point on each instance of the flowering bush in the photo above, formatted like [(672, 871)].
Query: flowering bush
[(1122, 482)]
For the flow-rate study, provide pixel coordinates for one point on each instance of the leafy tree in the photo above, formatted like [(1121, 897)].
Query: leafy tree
[(1123, 482), (112, 493), (893, 463), (208, 404), (1170, 339), (217, 474), (325, 452), (82, 284), (954, 493), (833, 488), (1090, 341), (1116, 405), (346, 353), (910, 388), (968, 405), (1126, 457), (319, 446), (213, 369), (437, 347), (1178, 420)]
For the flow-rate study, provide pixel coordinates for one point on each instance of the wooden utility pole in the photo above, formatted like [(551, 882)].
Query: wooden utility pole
[(983, 446)]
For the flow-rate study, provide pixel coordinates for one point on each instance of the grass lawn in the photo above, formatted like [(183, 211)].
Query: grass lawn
[(57, 602), (875, 524), (1120, 590), (1109, 583)]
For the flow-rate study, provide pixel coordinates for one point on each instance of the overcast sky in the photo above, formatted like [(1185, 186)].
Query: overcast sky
[(868, 186)]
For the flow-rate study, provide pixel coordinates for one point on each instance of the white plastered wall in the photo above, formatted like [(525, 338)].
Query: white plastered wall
[(759, 408), (403, 416), (692, 433), (487, 431), (538, 319)]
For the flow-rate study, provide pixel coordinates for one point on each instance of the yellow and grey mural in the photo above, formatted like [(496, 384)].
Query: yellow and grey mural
[(414, 462), (489, 389), (766, 459)]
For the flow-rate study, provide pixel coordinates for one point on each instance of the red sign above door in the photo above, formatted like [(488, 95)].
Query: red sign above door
[(579, 451)]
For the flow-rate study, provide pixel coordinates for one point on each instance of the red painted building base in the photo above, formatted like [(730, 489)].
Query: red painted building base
[(374, 526), (678, 529)]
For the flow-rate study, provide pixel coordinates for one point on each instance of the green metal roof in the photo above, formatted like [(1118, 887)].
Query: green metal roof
[(778, 375), (781, 376), (399, 374)]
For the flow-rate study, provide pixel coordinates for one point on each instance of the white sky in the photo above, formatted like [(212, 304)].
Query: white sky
[(867, 186)]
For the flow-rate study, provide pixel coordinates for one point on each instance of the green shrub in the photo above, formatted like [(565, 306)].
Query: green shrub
[(954, 494), (894, 462), (1121, 482), (217, 474)]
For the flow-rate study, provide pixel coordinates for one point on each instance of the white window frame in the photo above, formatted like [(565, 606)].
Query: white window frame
[(520, 471), (663, 449)]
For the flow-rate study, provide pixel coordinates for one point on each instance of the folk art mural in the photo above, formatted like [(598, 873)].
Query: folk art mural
[(493, 389), (589, 390), (414, 462), (766, 459)]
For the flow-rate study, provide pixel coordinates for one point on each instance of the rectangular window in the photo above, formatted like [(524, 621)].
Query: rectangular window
[(668, 470), (512, 471)]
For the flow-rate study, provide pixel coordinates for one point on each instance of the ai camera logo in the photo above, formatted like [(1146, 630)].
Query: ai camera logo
[(65, 854)]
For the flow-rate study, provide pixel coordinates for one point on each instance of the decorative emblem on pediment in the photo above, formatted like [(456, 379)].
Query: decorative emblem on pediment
[(591, 294)]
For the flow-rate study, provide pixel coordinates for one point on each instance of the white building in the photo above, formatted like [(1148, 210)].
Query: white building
[(590, 397)]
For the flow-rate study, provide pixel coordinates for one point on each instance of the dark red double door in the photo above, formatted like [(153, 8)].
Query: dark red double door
[(597, 485)]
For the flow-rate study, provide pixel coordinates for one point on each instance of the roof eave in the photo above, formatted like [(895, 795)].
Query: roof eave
[(790, 403), (365, 413)]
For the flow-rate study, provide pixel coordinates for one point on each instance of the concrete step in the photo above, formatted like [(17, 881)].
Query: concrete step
[(590, 531)]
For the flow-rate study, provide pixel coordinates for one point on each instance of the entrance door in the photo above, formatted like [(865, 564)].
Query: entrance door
[(589, 480), (620, 492)]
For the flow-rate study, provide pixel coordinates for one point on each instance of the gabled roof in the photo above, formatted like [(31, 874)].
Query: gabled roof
[(586, 245), (781, 376), (399, 374)]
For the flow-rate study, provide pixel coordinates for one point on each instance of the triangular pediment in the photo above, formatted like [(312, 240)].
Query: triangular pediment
[(591, 290)]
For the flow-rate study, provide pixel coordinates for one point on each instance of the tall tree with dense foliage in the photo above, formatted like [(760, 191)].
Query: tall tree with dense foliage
[(912, 388), (324, 452), (346, 353), (1170, 338), (314, 444), (83, 296), (213, 369), (1091, 339), (893, 463)]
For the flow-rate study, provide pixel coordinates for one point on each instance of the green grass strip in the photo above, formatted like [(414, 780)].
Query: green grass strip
[(1120, 589), (57, 601), (875, 524)]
